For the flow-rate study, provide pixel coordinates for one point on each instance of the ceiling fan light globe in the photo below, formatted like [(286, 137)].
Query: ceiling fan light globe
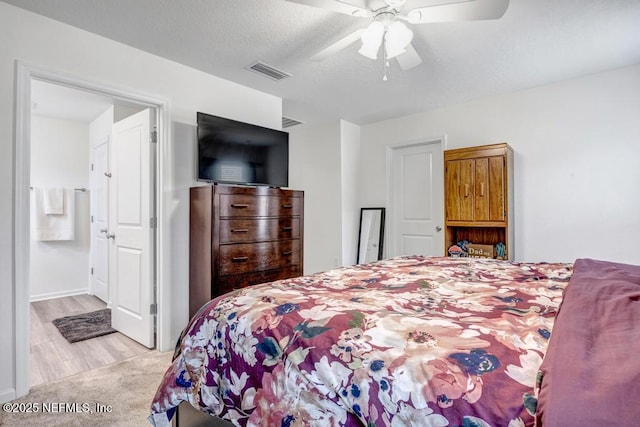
[(397, 39), (369, 53), (392, 53), (371, 40)]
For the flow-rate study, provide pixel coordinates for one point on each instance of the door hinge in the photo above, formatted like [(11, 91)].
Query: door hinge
[(154, 136), (92, 271), (92, 219), (92, 166), (153, 222), (153, 309)]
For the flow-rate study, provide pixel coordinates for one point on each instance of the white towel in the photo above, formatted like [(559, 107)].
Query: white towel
[(52, 227), (53, 199)]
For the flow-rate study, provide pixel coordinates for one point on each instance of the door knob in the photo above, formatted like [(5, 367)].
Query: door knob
[(438, 228), (111, 236), (103, 230)]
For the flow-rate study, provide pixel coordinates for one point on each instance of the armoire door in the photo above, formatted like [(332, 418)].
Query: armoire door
[(481, 189), (459, 178), (497, 189)]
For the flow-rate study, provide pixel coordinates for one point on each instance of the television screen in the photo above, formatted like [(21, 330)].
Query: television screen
[(234, 152)]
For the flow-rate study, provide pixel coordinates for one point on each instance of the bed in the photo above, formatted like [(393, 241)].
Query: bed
[(400, 342)]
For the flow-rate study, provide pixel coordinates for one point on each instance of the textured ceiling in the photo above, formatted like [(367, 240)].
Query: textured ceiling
[(535, 43)]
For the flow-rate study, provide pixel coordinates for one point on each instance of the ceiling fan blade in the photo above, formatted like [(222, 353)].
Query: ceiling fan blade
[(337, 46), (464, 11), (339, 6), (409, 59)]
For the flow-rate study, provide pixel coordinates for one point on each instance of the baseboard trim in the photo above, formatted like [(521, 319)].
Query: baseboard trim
[(59, 294), (7, 395)]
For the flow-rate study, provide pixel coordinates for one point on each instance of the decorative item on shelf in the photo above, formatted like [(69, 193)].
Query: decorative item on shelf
[(463, 244), (456, 251), (501, 251), (480, 251)]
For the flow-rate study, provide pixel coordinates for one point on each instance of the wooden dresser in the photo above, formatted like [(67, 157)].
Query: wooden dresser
[(241, 236), (479, 196)]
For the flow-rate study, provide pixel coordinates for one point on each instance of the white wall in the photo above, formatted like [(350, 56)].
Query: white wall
[(45, 43), (60, 158), (315, 167), (577, 145), (349, 162), (324, 163)]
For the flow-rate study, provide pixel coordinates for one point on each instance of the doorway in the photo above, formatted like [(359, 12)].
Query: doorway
[(415, 199), (25, 76), (71, 132)]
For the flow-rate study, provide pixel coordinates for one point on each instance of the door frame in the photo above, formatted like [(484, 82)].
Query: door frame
[(390, 233), (25, 73)]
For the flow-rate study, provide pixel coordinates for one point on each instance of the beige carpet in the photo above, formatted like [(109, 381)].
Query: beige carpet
[(127, 386)]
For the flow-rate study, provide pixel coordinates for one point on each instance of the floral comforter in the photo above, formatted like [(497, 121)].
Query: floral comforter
[(408, 341)]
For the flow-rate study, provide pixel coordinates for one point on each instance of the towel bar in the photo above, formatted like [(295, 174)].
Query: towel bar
[(76, 189)]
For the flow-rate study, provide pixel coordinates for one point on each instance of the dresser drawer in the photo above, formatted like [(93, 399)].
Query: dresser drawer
[(226, 284), (258, 230), (243, 205), (246, 257)]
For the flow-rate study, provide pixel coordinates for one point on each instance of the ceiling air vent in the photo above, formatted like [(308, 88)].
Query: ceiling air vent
[(268, 71), (287, 122)]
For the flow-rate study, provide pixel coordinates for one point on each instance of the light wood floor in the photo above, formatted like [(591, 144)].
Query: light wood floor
[(53, 357)]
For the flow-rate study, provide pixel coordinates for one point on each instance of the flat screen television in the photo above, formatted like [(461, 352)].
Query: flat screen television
[(233, 152)]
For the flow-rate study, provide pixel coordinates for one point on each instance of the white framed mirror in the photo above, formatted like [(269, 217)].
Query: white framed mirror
[(370, 235)]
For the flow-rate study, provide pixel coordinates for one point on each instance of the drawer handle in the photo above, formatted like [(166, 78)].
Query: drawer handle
[(239, 230), (239, 205), (240, 259), (287, 206), (287, 228), (286, 253)]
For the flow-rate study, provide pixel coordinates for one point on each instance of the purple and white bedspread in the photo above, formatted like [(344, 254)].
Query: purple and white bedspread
[(408, 341)]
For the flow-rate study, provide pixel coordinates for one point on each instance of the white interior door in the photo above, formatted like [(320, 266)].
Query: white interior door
[(100, 223), (131, 234), (417, 200)]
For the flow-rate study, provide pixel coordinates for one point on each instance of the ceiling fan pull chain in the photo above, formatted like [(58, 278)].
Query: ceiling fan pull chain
[(385, 61)]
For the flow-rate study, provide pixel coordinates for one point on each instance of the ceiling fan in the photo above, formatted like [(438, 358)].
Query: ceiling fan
[(389, 23)]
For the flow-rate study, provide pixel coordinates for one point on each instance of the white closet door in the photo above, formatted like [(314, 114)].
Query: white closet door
[(100, 225), (417, 200)]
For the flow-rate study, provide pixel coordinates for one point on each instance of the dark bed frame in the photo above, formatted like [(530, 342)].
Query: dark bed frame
[(188, 416)]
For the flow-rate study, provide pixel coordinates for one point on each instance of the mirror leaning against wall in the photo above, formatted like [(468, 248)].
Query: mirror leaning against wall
[(371, 235)]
